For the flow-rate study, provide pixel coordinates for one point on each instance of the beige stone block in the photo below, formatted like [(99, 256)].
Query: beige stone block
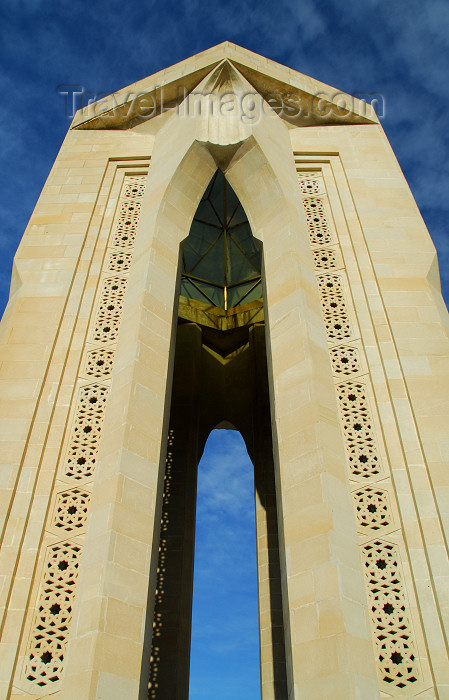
[(306, 624)]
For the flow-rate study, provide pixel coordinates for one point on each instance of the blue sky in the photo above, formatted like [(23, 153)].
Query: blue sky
[(225, 636), (398, 49)]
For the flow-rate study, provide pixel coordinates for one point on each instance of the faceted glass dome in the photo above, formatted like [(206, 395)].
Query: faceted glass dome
[(221, 261)]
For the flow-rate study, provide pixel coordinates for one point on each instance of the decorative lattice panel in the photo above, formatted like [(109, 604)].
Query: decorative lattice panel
[(50, 625), (397, 663), (119, 261), (372, 509), (317, 223), (310, 185), (99, 363), (335, 312), (134, 187), (86, 431), (70, 514), (48, 642), (373, 504), (128, 218), (345, 360), (110, 309), (358, 430), (324, 259)]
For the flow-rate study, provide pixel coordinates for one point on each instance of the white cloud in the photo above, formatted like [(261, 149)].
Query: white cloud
[(225, 614)]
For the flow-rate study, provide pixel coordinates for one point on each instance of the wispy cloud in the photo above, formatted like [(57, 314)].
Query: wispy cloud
[(225, 614), (399, 50)]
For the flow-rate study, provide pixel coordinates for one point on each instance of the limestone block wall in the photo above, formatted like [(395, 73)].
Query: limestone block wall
[(348, 262), (387, 331), (128, 487), (56, 367)]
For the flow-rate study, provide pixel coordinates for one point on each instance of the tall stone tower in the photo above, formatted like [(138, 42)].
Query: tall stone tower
[(226, 243)]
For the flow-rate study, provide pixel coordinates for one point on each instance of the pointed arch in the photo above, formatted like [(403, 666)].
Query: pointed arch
[(304, 419)]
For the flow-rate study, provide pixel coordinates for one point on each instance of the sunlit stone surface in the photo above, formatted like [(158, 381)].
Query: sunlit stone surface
[(316, 329)]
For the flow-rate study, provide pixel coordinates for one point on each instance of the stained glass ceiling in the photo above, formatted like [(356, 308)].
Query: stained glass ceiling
[(221, 260)]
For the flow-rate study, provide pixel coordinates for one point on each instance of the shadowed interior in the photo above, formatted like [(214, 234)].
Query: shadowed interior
[(220, 380)]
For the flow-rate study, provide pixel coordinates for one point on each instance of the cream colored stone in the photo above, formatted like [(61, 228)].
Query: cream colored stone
[(385, 262)]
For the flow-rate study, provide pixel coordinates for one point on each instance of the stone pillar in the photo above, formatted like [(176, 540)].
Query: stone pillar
[(271, 608), (170, 656)]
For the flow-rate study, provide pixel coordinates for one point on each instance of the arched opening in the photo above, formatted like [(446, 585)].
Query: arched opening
[(219, 378), (224, 660)]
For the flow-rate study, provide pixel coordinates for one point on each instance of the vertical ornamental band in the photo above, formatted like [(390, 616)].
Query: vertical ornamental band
[(395, 644), (46, 647)]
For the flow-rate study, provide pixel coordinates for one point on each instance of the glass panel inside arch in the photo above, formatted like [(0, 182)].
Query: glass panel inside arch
[(221, 262)]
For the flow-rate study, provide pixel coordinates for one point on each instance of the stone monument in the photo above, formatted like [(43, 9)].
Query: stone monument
[(227, 243)]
